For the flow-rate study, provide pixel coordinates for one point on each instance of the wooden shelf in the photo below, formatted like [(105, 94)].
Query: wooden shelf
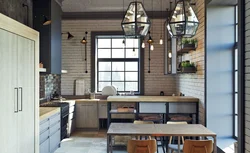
[(185, 50), (42, 70)]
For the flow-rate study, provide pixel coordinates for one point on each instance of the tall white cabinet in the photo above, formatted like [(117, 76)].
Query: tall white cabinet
[(19, 87)]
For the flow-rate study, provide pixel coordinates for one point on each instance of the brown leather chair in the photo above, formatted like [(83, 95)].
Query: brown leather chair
[(198, 146), (141, 146)]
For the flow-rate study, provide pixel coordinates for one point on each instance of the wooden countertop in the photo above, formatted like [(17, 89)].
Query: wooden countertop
[(152, 99), (90, 100), (45, 112)]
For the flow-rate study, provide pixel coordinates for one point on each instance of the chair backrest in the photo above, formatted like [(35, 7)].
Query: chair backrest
[(143, 122), (142, 146), (198, 146), (176, 122)]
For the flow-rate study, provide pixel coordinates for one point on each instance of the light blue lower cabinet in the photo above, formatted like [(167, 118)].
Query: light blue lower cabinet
[(54, 142), (44, 147), (50, 134)]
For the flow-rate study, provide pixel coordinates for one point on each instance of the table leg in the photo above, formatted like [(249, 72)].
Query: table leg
[(108, 114), (197, 113), (108, 143), (215, 144), (179, 142)]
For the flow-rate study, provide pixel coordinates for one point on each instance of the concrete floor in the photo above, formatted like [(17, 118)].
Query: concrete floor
[(87, 142)]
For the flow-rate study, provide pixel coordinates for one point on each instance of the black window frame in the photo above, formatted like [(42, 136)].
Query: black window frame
[(235, 72), (95, 34)]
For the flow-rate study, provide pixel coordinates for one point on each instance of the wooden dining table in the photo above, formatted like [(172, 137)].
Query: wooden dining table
[(190, 130)]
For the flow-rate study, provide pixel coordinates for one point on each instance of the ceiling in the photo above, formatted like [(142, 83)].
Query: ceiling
[(109, 5)]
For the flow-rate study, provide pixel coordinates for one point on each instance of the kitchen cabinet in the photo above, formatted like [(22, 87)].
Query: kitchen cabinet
[(87, 115), (50, 35), (102, 110), (50, 131), (19, 82)]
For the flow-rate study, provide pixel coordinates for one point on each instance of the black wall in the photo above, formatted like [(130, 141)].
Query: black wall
[(15, 10)]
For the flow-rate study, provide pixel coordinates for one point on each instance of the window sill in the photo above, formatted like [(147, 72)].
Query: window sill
[(226, 144)]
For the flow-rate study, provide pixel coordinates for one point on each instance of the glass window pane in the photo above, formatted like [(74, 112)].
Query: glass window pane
[(236, 103), (131, 76), (101, 85), (104, 53), (131, 66), (236, 81), (131, 86), (104, 76), (132, 43), (118, 85), (117, 76), (236, 33), (118, 53), (118, 66), (104, 66), (130, 53), (236, 59), (117, 43), (236, 126), (104, 43)]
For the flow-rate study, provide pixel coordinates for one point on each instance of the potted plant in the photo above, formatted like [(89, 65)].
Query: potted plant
[(189, 43), (188, 67)]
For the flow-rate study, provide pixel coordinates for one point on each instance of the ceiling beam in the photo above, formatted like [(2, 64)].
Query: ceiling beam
[(108, 15)]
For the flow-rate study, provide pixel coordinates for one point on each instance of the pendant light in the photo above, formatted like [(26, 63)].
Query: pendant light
[(161, 40), (135, 22), (46, 21), (84, 41), (143, 44), (183, 21)]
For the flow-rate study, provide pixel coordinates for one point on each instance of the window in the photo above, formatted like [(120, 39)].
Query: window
[(117, 63), (235, 76)]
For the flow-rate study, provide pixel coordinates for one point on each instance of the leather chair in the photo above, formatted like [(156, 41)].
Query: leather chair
[(141, 146), (198, 146)]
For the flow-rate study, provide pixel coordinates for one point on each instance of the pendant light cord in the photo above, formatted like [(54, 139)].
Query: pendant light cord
[(86, 63), (149, 59), (161, 18)]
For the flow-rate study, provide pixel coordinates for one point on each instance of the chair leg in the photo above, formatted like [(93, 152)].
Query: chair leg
[(162, 145)]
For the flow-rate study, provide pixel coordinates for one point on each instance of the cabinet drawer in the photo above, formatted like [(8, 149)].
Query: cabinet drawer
[(44, 147), (54, 128), (54, 141), (44, 125), (44, 136), (152, 107), (182, 108), (54, 119)]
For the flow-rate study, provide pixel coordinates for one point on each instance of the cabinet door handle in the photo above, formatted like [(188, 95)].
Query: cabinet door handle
[(21, 93), (15, 100)]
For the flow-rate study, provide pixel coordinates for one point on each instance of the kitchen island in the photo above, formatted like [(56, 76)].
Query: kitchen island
[(166, 105)]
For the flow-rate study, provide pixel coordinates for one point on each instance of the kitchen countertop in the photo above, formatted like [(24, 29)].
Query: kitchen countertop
[(45, 112), (152, 99), (90, 100)]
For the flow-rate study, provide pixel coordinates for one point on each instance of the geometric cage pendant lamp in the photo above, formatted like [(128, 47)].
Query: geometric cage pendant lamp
[(135, 22), (183, 21)]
